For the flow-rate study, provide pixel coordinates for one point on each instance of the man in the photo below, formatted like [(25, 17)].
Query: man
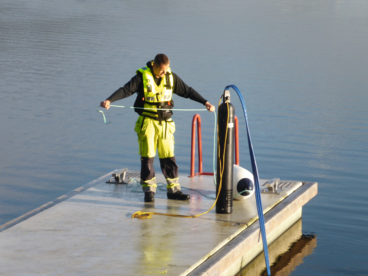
[(154, 85)]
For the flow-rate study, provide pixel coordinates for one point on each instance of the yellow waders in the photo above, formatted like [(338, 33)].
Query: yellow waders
[(152, 136)]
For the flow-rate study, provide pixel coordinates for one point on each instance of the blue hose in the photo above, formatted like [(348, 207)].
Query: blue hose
[(256, 180)]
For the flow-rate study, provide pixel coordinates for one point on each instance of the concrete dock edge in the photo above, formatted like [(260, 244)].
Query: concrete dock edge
[(237, 253)]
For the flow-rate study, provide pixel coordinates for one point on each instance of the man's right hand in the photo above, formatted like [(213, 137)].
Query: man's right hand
[(105, 104)]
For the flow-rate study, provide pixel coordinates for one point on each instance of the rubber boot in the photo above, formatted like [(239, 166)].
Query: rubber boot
[(149, 197), (178, 195)]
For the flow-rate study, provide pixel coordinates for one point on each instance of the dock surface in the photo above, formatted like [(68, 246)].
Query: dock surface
[(90, 232)]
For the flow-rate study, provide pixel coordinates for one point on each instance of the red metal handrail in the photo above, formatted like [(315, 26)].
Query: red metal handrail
[(197, 119)]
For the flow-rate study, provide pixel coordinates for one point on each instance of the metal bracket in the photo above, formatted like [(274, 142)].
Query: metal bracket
[(119, 177), (272, 186), (226, 97)]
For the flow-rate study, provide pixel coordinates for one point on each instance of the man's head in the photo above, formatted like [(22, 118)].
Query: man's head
[(160, 65)]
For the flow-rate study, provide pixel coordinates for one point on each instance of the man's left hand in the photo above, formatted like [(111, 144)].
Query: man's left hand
[(210, 107)]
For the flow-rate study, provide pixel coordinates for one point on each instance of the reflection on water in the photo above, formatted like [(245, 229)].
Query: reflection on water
[(285, 253), (287, 262)]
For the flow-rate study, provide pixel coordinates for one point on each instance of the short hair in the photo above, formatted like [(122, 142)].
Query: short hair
[(161, 59)]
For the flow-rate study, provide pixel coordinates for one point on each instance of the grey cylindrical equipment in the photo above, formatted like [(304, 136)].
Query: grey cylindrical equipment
[(224, 203)]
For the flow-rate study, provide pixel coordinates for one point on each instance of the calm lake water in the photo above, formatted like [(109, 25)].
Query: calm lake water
[(302, 66)]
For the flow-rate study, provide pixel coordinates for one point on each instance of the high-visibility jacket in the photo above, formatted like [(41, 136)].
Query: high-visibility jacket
[(157, 96)]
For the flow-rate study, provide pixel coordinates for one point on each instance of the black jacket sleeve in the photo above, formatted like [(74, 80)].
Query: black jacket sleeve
[(183, 90), (128, 89)]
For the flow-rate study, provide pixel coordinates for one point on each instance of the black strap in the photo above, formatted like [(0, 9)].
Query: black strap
[(149, 111), (157, 103), (159, 113), (155, 118), (143, 122), (168, 84), (165, 105)]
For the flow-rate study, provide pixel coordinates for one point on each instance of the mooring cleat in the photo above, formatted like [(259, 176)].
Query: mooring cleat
[(149, 197), (178, 195)]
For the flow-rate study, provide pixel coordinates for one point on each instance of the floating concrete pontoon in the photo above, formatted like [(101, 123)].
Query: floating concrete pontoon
[(90, 231), (288, 251)]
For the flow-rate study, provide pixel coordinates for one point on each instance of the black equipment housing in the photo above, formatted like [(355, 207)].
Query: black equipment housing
[(224, 203)]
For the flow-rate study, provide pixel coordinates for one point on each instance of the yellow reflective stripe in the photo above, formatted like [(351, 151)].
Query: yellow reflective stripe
[(166, 98), (170, 186), (172, 182), (149, 183)]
